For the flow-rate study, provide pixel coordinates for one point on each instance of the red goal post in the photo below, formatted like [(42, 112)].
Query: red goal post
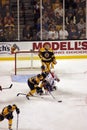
[(27, 60)]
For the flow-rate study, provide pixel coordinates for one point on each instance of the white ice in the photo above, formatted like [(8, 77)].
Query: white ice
[(47, 113)]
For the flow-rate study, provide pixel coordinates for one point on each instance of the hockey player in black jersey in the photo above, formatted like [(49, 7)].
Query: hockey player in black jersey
[(7, 113), (33, 83), (47, 57)]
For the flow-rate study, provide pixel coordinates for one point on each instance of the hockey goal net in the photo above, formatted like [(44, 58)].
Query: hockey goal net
[(26, 61)]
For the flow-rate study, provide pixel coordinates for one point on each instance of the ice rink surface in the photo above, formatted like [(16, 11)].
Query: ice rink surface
[(47, 113)]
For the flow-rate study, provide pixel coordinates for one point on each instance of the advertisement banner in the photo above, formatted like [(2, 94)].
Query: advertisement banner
[(61, 48)]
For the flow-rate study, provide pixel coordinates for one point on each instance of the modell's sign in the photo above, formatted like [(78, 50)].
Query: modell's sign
[(62, 45)]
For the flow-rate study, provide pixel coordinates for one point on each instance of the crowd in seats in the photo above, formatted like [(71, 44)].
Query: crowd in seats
[(27, 33), (58, 22), (54, 16), (7, 24)]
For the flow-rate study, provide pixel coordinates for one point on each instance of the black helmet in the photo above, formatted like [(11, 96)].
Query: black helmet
[(14, 105), (39, 75), (44, 75), (9, 107)]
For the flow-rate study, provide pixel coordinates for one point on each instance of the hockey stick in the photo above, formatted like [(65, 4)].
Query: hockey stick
[(17, 121), (48, 88), (28, 97), (21, 94), (8, 87), (39, 96), (54, 97)]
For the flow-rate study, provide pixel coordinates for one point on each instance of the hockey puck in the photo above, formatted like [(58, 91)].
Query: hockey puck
[(60, 101)]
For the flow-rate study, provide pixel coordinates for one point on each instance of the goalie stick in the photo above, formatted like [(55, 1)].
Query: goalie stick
[(8, 87)]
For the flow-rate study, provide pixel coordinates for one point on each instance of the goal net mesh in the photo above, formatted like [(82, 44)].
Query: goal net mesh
[(26, 61)]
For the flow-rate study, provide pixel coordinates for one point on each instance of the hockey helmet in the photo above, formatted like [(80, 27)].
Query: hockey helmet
[(39, 75), (9, 107), (44, 74), (47, 45)]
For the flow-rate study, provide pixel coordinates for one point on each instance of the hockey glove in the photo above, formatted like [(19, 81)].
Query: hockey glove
[(54, 62), (39, 90), (17, 110), (58, 80), (1, 117)]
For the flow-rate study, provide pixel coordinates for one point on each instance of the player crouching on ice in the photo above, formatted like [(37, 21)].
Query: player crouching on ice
[(49, 83), (51, 78), (7, 113), (33, 84)]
